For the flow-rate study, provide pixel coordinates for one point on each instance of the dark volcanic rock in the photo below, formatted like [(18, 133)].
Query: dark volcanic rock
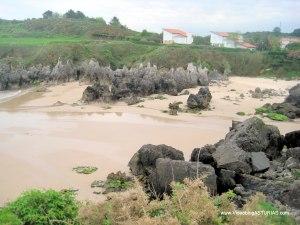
[(292, 139), (168, 170), (294, 96), (253, 135), (144, 160), (229, 156), (293, 152), (96, 92), (285, 108), (259, 162), (226, 180), (274, 189), (204, 154), (200, 100)]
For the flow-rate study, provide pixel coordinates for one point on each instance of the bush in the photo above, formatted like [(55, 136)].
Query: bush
[(277, 116), (44, 207), (8, 218)]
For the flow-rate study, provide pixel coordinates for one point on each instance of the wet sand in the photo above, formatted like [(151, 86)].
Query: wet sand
[(41, 143)]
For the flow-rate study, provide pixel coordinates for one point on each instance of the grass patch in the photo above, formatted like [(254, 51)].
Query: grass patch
[(241, 113), (42, 208), (85, 169), (296, 173), (271, 114), (277, 116)]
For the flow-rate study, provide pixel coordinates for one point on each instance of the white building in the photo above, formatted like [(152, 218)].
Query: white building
[(228, 40), (171, 36)]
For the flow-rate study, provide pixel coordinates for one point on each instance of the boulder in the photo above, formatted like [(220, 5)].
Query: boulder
[(253, 135), (234, 124), (285, 108), (96, 92), (226, 180), (216, 76), (168, 170), (293, 152), (230, 157), (292, 163), (200, 100), (259, 162), (89, 95), (143, 161), (275, 190), (293, 195), (294, 96), (204, 154), (292, 139)]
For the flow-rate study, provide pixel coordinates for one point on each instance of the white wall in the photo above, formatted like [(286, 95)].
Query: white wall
[(169, 38), (220, 41)]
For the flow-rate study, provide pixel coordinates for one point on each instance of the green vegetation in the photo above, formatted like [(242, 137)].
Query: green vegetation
[(57, 208), (85, 169), (270, 114), (76, 37), (296, 173), (42, 208), (117, 184), (241, 113), (277, 116)]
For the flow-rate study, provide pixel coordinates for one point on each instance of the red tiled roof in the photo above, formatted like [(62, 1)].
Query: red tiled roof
[(223, 34), (176, 31), (247, 45)]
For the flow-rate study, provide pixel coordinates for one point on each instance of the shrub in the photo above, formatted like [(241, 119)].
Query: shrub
[(277, 116), (241, 113), (85, 169), (45, 207), (9, 218)]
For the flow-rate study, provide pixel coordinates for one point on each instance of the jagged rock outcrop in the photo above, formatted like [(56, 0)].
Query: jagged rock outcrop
[(96, 92), (200, 100), (291, 105), (204, 154)]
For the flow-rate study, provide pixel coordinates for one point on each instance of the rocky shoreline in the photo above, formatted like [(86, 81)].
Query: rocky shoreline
[(253, 157)]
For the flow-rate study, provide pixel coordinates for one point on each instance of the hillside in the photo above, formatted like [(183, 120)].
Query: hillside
[(44, 41)]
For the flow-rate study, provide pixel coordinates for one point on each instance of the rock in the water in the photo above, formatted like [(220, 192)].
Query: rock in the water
[(230, 157), (292, 139), (259, 162), (253, 135), (144, 160), (168, 170), (200, 100), (293, 152), (204, 154)]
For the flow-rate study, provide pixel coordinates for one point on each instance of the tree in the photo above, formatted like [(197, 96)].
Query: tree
[(115, 22), (48, 14), (277, 31), (74, 15), (80, 15), (70, 14), (296, 32)]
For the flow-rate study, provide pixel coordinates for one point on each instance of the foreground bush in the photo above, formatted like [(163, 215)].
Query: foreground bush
[(190, 203), (41, 208)]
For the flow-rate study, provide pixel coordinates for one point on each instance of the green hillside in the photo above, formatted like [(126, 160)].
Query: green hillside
[(44, 40)]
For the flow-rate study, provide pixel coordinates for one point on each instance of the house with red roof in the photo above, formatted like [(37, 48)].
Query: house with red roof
[(172, 35), (229, 40)]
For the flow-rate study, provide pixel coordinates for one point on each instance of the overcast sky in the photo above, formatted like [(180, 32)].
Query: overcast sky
[(196, 16)]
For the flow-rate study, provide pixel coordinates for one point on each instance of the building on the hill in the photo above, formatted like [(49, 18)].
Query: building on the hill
[(284, 41), (229, 40), (171, 36)]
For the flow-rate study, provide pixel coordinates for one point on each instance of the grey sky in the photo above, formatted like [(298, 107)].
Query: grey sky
[(196, 16)]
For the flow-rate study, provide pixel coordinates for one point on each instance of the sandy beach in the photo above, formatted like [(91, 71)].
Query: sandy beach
[(41, 142)]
